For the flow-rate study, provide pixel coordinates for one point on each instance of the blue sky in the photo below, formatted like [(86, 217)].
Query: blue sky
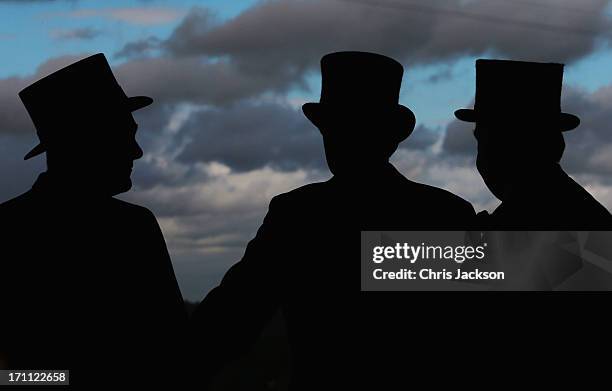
[(28, 37)]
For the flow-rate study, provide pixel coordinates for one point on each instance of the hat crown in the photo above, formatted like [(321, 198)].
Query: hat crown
[(82, 92), (502, 85), (85, 86), (360, 78)]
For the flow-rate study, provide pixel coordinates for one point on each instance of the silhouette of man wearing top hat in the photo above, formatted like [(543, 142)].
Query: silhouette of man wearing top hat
[(86, 281), (304, 259), (519, 129)]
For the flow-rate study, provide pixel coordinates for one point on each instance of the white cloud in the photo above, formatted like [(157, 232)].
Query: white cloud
[(455, 174), (224, 190), (217, 209)]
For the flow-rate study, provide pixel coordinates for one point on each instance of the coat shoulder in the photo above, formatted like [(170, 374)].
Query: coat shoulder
[(443, 199), (15, 205), (133, 210), (304, 193)]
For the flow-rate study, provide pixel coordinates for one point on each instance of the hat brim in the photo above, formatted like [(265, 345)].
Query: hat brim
[(317, 113), (133, 103), (566, 121)]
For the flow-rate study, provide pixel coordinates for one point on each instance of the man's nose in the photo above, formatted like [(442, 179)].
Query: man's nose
[(137, 151)]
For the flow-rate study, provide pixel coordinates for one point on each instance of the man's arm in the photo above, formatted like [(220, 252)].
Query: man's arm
[(231, 317)]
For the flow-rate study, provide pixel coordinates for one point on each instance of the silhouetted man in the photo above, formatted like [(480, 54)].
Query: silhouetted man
[(86, 280), (305, 258), (519, 127)]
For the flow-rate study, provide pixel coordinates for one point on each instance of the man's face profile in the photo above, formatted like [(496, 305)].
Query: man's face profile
[(491, 160), (355, 140), (110, 162)]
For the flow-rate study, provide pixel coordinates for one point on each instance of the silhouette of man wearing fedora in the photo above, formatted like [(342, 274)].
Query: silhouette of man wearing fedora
[(86, 281), (519, 127), (304, 259)]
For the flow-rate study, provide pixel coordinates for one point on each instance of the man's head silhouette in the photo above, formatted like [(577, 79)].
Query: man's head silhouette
[(85, 125), (358, 113), (519, 122)]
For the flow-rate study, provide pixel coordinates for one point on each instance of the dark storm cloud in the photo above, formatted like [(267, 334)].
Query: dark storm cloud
[(169, 81), (13, 116), (197, 23), (247, 136), (421, 138), (17, 176), (193, 80), (459, 138), (276, 36), (589, 147), (270, 46), (139, 48), (283, 37)]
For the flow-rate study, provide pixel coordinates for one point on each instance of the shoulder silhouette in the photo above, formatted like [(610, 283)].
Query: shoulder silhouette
[(304, 259), (519, 129), (86, 280)]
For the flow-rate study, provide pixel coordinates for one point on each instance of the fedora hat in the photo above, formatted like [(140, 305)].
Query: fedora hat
[(520, 90), (84, 88), (360, 82)]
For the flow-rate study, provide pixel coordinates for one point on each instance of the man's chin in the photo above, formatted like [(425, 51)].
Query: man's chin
[(121, 187)]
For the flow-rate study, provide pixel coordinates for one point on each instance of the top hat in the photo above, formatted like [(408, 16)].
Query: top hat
[(359, 81), (518, 90), (84, 88)]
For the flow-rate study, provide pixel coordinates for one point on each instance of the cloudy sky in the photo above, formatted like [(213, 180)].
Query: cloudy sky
[(226, 132)]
